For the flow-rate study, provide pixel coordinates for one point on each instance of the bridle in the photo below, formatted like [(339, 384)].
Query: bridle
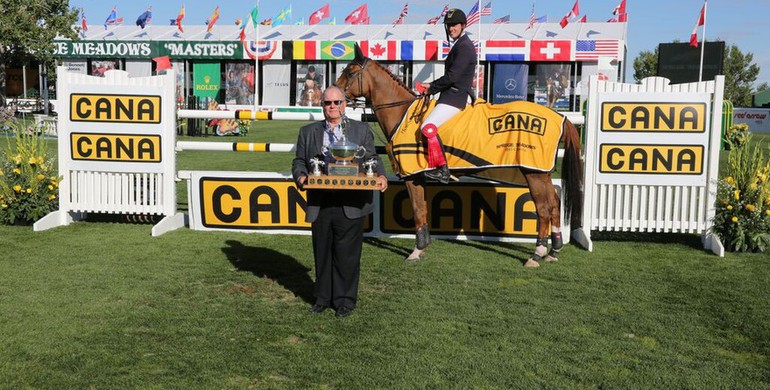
[(357, 76)]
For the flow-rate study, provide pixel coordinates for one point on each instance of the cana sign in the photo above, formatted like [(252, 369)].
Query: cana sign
[(651, 159), (115, 108), (115, 147), (654, 117)]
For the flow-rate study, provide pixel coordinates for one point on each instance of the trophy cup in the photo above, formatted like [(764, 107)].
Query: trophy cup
[(343, 173)]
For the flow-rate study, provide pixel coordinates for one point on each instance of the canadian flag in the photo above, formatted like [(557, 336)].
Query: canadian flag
[(317, 16), (572, 14), (701, 21), (620, 10)]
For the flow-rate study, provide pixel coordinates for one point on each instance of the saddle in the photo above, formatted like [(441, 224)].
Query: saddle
[(482, 136)]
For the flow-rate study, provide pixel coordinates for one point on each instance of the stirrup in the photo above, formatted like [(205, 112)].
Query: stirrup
[(440, 174)]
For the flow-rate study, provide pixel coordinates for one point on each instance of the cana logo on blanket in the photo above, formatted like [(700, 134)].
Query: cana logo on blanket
[(517, 121)]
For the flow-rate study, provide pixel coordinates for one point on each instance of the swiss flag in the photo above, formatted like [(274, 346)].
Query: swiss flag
[(550, 50), (317, 16)]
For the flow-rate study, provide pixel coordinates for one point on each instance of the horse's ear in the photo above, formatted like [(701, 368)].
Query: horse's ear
[(360, 58)]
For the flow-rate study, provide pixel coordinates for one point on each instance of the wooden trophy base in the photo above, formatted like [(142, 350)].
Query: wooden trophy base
[(333, 182)]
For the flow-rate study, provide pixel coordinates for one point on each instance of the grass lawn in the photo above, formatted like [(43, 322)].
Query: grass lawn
[(106, 306)]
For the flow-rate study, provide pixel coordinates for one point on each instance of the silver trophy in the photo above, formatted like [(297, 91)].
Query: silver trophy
[(344, 152), (369, 165)]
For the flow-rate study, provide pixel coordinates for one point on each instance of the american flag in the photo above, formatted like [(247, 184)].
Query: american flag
[(531, 18), (591, 50), (435, 19), (474, 16), (504, 20)]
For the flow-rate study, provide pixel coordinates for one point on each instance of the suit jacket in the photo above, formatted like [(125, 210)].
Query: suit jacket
[(355, 204), (457, 82)]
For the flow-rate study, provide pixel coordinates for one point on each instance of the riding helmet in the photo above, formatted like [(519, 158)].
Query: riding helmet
[(454, 16)]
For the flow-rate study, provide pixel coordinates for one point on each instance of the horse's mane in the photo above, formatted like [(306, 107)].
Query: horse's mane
[(393, 77)]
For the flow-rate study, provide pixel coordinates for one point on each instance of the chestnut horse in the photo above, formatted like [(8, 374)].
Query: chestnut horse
[(390, 98)]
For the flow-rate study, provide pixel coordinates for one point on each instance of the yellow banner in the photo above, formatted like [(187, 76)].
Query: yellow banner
[(115, 108), (651, 159), (116, 147), (654, 117), (463, 209)]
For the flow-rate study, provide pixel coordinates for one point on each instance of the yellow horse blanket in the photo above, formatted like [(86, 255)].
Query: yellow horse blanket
[(516, 134)]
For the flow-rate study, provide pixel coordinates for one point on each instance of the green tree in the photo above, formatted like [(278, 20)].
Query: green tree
[(740, 73), (27, 31), (646, 65)]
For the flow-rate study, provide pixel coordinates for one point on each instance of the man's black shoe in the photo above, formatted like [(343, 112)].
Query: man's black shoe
[(344, 312), (317, 308), (440, 174)]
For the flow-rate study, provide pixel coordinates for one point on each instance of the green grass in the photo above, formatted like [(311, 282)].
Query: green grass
[(105, 305)]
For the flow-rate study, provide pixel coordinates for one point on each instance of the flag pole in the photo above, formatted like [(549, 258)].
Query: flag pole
[(703, 45), (478, 53), (256, 57)]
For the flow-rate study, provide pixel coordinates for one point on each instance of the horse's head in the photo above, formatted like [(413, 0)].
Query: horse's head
[(352, 79)]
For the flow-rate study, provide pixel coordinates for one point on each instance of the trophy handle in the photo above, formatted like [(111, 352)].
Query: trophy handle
[(360, 149)]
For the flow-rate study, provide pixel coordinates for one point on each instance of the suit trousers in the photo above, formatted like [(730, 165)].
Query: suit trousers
[(337, 242)]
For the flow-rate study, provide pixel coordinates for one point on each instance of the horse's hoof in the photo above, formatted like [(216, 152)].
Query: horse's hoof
[(414, 259), (531, 264), (551, 259)]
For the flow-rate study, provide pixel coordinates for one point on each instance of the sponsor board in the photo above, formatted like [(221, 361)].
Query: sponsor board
[(651, 159), (115, 108), (116, 147), (654, 117), (517, 121)]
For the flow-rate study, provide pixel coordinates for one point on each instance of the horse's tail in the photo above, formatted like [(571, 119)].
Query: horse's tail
[(572, 176)]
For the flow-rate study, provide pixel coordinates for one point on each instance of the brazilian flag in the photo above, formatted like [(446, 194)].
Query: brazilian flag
[(337, 50)]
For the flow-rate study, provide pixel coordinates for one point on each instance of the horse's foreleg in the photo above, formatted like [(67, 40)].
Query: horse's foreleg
[(555, 218), (416, 190)]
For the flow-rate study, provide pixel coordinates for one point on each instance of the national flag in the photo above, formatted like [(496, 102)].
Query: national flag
[(573, 13), (254, 16), (144, 19), (111, 18), (504, 20), (505, 50), (701, 21), (358, 15), (435, 19), (305, 50), (267, 22), (542, 19), (300, 22), (475, 15), (282, 16), (584, 19), (531, 18), (381, 50), (419, 50), (83, 25), (178, 20), (591, 50), (162, 63), (337, 50), (550, 50), (333, 21), (319, 15), (213, 19), (620, 11), (242, 34), (402, 15), (446, 47)]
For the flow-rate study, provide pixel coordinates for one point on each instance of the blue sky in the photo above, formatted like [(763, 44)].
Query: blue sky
[(737, 22)]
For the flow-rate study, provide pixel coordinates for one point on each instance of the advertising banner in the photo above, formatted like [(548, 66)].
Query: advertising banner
[(510, 83), (275, 83), (206, 79)]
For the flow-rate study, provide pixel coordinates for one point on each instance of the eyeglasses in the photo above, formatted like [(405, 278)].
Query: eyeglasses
[(330, 102)]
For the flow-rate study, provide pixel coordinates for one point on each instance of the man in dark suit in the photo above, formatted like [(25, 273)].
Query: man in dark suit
[(455, 86), (337, 216)]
